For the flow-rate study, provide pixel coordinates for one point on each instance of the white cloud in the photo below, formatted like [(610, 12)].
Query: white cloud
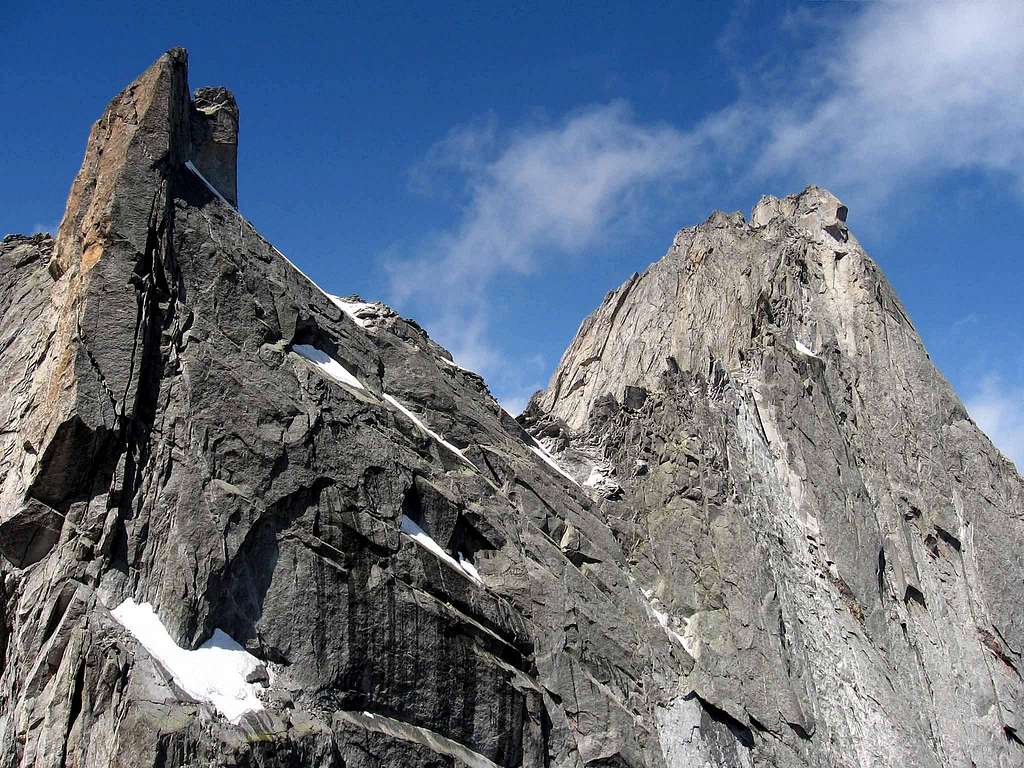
[(907, 91), (996, 407), (554, 189)]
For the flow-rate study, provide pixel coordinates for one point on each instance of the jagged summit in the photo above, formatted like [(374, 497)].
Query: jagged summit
[(812, 200), (707, 299), (149, 130), (246, 522)]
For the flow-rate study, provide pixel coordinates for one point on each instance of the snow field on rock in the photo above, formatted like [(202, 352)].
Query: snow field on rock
[(547, 458), (328, 365), (350, 308), (215, 672)]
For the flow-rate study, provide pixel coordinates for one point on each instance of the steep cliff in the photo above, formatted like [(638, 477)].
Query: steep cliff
[(245, 522)]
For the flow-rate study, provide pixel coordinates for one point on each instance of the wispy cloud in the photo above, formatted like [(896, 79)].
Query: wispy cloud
[(555, 187), (890, 96), (906, 92), (996, 407), (549, 189)]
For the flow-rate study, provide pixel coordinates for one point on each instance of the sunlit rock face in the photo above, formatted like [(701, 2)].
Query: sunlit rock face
[(799, 487), (245, 522)]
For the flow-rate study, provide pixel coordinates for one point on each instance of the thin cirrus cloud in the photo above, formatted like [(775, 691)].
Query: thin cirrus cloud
[(548, 189), (907, 92), (898, 95)]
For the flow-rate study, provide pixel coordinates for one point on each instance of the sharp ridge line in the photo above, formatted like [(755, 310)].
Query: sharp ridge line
[(189, 164)]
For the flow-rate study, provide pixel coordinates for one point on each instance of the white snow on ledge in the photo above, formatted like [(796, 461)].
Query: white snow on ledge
[(667, 621), (803, 349), (214, 672), (327, 364), (350, 308), (341, 374), (453, 364), (425, 540), (415, 420)]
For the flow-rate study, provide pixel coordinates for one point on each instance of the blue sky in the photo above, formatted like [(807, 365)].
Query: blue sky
[(494, 173)]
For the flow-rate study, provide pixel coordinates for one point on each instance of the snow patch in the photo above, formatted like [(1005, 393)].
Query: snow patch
[(546, 457), (214, 672), (453, 364), (602, 480), (425, 540), (803, 349), (468, 567), (666, 622), (413, 418), (327, 364), (351, 308), (340, 373)]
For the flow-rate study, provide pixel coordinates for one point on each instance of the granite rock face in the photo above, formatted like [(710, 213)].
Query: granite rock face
[(803, 493), (769, 534)]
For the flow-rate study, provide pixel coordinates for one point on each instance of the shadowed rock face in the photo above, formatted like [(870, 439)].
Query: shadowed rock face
[(215, 139), (768, 556)]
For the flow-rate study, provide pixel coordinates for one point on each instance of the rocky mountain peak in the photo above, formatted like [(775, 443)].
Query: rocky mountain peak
[(828, 212), (761, 389), (244, 521), (148, 131), (726, 290)]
